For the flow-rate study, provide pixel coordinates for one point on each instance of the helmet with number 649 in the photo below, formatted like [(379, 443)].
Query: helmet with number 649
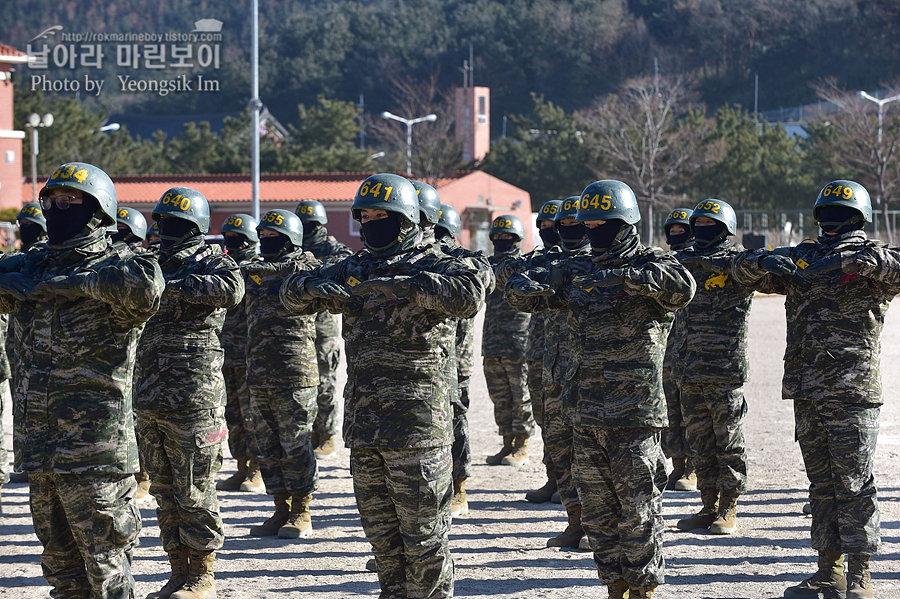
[(285, 222), (845, 193), (186, 203), (607, 200)]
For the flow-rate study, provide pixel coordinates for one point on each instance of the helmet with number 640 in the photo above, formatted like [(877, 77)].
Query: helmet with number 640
[(186, 203), (607, 200)]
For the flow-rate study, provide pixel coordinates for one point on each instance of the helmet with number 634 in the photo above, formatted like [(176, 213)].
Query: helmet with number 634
[(449, 219), (311, 211), (32, 213), (507, 223), (285, 222), (717, 210), (548, 212), (845, 193), (391, 193), (607, 200), (243, 224), (134, 220), (87, 179), (186, 203)]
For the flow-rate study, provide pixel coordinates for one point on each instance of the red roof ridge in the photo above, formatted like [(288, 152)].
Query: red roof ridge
[(7, 50)]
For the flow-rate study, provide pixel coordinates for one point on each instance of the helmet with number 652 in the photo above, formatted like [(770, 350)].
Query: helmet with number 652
[(717, 210), (87, 179), (134, 220), (845, 193), (449, 219), (243, 224), (285, 222), (31, 212), (311, 211), (391, 193), (429, 202), (548, 212), (607, 200), (186, 203), (507, 223)]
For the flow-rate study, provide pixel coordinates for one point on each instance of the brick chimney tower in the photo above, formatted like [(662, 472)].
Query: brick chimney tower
[(473, 121), (10, 139)]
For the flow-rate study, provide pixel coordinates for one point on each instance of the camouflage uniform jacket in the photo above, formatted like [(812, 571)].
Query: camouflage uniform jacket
[(180, 356), (713, 341), (556, 329), (833, 327), (72, 401), (398, 387), (326, 249), (280, 345), (505, 329), (234, 332), (618, 334)]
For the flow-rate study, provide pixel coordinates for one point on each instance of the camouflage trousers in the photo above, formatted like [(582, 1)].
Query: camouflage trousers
[(182, 451), (714, 427), (558, 439), (461, 449), (5, 404), (674, 440), (620, 474), (328, 357), (88, 525), (241, 441), (403, 496), (837, 441), (282, 422), (507, 385), (536, 392)]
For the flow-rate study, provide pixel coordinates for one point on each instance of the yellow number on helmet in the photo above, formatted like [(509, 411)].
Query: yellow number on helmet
[(364, 190), (606, 204), (185, 204)]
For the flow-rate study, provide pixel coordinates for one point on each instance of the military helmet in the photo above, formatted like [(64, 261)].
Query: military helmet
[(717, 210), (548, 212), (186, 203), (243, 224), (449, 219), (391, 193), (845, 193), (311, 211), (32, 213), (153, 230), (679, 216), (134, 220), (429, 202), (285, 222), (608, 200), (507, 223), (87, 179), (567, 209)]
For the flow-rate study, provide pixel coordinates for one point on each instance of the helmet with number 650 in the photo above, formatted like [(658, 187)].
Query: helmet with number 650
[(845, 193), (87, 179), (311, 211), (134, 220), (243, 224), (391, 193), (449, 219), (607, 200), (717, 210), (186, 203), (507, 223), (285, 222)]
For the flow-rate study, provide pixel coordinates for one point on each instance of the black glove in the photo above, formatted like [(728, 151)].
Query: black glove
[(390, 287), (706, 264), (17, 285), (326, 289), (848, 262), (521, 285), (602, 278), (777, 264)]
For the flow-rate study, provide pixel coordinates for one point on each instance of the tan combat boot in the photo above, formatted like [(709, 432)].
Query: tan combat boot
[(642, 592), (233, 482), (618, 590), (688, 481), (545, 493), (726, 518), (677, 472), (270, 527), (519, 455), (571, 536), (200, 583), (459, 506), (299, 522), (828, 582), (178, 561), (497, 459), (706, 515), (254, 482), (325, 449), (859, 579)]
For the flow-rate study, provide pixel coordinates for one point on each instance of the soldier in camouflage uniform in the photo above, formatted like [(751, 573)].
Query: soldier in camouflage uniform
[(5, 400), (153, 237), (241, 241), (711, 368), (503, 338), (324, 248), (180, 398), (74, 425), (397, 298), (620, 301), (835, 314), (283, 377)]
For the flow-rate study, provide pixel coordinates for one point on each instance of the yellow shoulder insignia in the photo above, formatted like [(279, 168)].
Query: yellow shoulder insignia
[(717, 281), (256, 279), (353, 281), (802, 263)]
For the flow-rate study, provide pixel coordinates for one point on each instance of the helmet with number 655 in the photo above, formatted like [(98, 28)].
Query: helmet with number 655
[(845, 193), (607, 200), (134, 220), (285, 222), (243, 224), (507, 223), (548, 212), (449, 219), (186, 203), (717, 210), (87, 179), (391, 193)]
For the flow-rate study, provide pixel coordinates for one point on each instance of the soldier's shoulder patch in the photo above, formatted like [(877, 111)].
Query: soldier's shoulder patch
[(716, 281), (353, 281), (802, 263), (256, 279)]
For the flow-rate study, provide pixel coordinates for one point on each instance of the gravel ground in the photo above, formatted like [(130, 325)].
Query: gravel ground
[(499, 548)]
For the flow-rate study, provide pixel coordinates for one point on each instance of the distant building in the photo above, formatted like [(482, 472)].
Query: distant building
[(473, 121), (10, 138)]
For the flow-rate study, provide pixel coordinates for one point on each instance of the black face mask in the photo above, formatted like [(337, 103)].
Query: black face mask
[(572, 235), (310, 228), (603, 237), (234, 242), (270, 247), (676, 241), (382, 233), (837, 219), (705, 236), (501, 246), (549, 236), (173, 231), (63, 225), (441, 232), (29, 233), (121, 235)]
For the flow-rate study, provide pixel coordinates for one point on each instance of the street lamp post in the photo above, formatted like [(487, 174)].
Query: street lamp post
[(409, 123), (34, 121), (881, 104)]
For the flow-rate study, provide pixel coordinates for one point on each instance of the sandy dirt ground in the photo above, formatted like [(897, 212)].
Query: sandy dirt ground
[(499, 548)]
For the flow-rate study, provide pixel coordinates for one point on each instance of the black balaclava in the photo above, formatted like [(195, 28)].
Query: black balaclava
[(382, 233), (173, 231), (309, 228), (270, 247), (549, 236), (121, 235), (840, 219), (604, 236), (677, 241), (63, 225), (502, 246), (29, 233), (709, 235), (441, 232), (572, 236), (235, 242)]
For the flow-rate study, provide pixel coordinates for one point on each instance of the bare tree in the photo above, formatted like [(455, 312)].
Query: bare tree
[(864, 144), (650, 134)]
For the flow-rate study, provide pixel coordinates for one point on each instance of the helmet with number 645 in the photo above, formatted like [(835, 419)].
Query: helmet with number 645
[(607, 200)]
